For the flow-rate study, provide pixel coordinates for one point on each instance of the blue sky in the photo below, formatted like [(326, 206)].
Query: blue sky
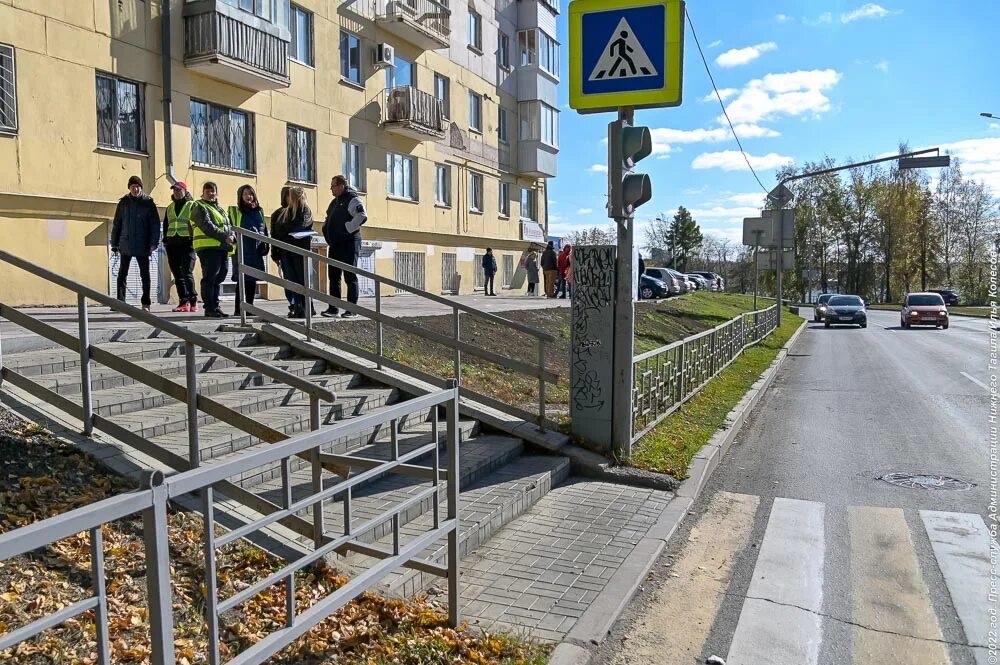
[(801, 80)]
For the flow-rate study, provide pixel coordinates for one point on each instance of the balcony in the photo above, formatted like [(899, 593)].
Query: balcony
[(226, 43), (536, 159), (423, 23), (413, 113)]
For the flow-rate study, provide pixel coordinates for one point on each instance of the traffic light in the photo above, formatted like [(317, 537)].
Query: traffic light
[(627, 146)]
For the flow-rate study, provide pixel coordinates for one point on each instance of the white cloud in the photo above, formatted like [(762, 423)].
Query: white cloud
[(725, 93), (722, 212), (791, 93), (869, 10), (995, 125), (717, 42), (585, 211), (751, 199), (741, 56), (980, 159), (598, 168), (882, 66), (783, 18), (732, 160), (822, 19), (553, 203), (665, 138)]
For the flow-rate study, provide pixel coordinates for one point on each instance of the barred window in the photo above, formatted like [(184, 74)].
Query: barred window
[(301, 154), (221, 137), (120, 114), (8, 89)]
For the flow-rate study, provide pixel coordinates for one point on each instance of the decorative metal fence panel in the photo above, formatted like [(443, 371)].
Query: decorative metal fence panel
[(665, 378)]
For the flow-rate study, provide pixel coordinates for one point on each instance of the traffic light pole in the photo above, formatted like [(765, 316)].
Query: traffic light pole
[(781, 254), (625, 290)]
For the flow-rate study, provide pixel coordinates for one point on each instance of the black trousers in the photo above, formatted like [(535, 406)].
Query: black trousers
[(181, 258), (293, 268), (123, 267), (345, 251), (214, 266), (489, 283)]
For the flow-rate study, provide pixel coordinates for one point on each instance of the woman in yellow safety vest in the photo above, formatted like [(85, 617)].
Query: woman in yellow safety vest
[(178, 243), (213, 242), (247, 214)]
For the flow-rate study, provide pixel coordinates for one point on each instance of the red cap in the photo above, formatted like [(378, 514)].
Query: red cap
[(180, 184)]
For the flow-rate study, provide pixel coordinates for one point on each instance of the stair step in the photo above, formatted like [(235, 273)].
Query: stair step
[(485, 507), (218, 383)]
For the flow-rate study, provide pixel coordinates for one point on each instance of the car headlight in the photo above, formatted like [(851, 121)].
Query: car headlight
[(943, 312), (822, 308)]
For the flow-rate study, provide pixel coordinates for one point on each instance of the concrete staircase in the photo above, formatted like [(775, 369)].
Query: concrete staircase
[(501, 477)]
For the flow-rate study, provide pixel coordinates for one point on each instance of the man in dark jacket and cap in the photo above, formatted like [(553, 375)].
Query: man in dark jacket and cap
[(135, 233), (342, 231)]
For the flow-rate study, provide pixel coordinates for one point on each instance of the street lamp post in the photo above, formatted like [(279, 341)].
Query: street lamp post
[(990, 115)]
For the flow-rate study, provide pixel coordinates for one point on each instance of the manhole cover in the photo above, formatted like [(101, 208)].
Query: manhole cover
[(926, 481)]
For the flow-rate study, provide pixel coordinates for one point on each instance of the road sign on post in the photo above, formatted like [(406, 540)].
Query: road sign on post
[(625, 53), (768, 259)]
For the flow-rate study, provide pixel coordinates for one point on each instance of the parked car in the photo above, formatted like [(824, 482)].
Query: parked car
[(714, 280), (650, 288), (700, 282), (674, 284), (845, 310), (924, 309), (819, 309), (950, 296)]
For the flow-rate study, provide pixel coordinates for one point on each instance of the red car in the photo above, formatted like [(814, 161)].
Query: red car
[(924, 309)]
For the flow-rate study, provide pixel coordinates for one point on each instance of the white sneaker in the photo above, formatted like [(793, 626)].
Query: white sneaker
[(145, 308)]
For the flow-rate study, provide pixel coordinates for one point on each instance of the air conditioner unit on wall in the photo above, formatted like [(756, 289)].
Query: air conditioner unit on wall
[(385, 55)]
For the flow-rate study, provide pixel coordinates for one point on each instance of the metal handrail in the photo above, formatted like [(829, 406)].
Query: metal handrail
[(455, 343)]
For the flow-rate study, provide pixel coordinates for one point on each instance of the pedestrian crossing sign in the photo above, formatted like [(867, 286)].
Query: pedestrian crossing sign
[(625, 53)]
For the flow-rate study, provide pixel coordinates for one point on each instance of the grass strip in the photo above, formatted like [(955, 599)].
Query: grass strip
[(672, 444)]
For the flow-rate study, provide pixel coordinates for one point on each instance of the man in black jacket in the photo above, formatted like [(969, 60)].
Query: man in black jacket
[(550, 269), (342, 231), (135, 233)]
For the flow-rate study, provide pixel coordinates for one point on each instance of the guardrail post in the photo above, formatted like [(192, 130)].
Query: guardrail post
[(211, 581), (241, 298), (85, 395), (454, 567), (541, 384), (100, 591), (1, 348), (317, 475), (378, 323), (191, 382), (159, 597), (310, 286), (681, 372), (458, 354)]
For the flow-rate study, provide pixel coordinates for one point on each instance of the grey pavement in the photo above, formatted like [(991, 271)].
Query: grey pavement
[(802, 478)]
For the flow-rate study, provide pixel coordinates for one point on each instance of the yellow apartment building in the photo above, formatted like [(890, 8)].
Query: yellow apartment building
[(442, 113)]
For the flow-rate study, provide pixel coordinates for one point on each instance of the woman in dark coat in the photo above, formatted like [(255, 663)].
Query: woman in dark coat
[(296, 217), (247, 214)]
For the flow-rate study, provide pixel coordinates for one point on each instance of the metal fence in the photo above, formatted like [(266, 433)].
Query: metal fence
[(665, 378), (199, 484)]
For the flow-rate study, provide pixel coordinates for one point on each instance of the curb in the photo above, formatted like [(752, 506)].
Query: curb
[(595, 623)]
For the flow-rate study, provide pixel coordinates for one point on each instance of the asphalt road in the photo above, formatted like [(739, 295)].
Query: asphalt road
[(798, 553)]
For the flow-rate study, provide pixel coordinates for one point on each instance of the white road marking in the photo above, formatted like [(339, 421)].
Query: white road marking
[(961, 543), (780, 621), (975, 381)]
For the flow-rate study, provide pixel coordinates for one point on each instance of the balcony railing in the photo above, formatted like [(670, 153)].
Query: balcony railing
[(228, 44), (425, 23), (413, 113)]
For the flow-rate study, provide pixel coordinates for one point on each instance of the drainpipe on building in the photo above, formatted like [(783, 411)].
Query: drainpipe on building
[(168, 103), (545, 189)]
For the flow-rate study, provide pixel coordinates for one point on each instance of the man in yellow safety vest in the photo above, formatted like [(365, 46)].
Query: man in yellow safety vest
[(214, 241), (177, 238)]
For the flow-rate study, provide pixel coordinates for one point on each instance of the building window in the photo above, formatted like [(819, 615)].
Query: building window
[(550, 125), (221, 136), (504, 206), (476, 192), (401, 176), (120, 117), (503, 51), (8, 89), (548, 54), (354, 165), (528, 211), (301, 154), (475, 29), (502, 132), (442, 185), (539, 122), (401, 73), (475, 112), (350, 57), (527, 48), (442, 90), (274, 11), (508, 270), (301, 26)]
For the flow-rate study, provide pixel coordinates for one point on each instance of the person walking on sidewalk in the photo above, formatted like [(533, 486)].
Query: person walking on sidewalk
[(135, 233), (562, 265), (294, 226), (177, 239), (490, 270), (550, 269), (342, 230), (213, 242), (246, 214), (531, 267)]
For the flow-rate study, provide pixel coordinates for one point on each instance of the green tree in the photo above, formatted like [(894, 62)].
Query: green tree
[(684, 238)]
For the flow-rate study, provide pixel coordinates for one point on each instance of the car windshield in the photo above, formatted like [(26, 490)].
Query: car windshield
[(823, 298), (924, 300), (846, 301)]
